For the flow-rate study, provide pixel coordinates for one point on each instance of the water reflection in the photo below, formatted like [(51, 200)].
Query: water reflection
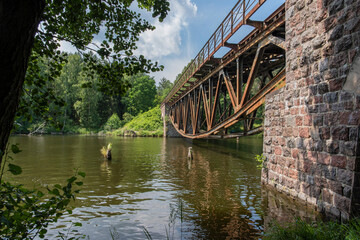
[(280, 208), (222, 193), (218, 192)]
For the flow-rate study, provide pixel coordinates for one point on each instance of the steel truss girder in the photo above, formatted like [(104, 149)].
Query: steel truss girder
[(226, 95), (274, 24), (204, 102)]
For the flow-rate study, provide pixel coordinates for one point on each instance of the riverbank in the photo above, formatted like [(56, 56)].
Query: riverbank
[(147, 124)]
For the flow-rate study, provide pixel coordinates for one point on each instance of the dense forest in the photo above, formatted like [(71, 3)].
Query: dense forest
[(78, 106)]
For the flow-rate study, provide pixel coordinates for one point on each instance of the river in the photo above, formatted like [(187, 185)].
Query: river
[(151, 184)]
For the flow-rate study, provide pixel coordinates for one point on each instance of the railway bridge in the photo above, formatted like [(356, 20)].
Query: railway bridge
[(298, 73)]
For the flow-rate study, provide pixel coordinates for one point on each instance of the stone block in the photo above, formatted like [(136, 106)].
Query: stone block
[(332, 146), (342, 203), (340, 133), (324, 158), (318, 120), (291, 163), (351, 163), (354, 118), (331, 97), (286, 152), (293, 174), (335, 6), (322, 88), (304, 132), (345, 176), (290, 143), (335, 187), (328, 172), (336, 33), (324, 133), (312, 156), (343, 44), (344, 117), (348, 148), (299, 120), (352, 24), (338, 161), (277, 150)]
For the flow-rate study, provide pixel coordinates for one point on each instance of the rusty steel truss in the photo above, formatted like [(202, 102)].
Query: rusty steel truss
[(214, 94)]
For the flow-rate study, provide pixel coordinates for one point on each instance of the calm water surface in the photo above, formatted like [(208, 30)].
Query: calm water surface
[(151, 184)]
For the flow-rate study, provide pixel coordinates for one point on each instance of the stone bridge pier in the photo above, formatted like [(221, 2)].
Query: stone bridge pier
[(311, 136), (169, 130)]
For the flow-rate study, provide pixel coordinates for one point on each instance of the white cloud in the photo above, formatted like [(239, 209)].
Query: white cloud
[(166, 38)]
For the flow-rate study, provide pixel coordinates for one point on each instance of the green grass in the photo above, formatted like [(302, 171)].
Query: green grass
[(315, 231), (147, 124)]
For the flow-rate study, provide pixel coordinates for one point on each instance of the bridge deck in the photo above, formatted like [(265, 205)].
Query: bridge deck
[(204, 101)]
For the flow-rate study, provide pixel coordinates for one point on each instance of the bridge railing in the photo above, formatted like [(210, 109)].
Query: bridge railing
[(232, 22)]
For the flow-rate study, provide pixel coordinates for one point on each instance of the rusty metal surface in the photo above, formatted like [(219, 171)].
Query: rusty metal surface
[(237, 17), (260, 96), (274, 21), (231, 89)]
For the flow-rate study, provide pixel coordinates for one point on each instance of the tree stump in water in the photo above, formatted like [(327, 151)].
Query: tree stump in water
[(190, 155), (108, 154)]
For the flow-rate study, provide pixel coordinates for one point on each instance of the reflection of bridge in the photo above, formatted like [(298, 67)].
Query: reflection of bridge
[(311, 130), (214, 94)]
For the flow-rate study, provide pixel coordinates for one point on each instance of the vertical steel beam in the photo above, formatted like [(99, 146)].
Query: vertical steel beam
[(206, 107), (239, 78), (229, 88), (252, 75), (215, 101)]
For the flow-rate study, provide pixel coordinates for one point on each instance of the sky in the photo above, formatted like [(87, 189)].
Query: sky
[(185, 30)]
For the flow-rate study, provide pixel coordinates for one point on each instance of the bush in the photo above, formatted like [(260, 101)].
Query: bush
[(127, 117), (113, 122), (148, 121), (26, 213)]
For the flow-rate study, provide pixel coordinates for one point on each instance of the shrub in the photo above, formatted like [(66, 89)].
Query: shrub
[(149, 121), (127, 117), (25, 213), (113, 122)]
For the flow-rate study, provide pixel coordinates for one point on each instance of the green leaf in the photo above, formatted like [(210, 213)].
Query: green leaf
[(15, 169), (82, 174), (79, 183), (77, 224), (40, 194), (57, 186), (55, 192), (15, 148), (72, 179)]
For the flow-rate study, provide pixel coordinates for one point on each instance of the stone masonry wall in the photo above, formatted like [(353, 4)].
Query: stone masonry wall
[(169, 130), (311, 132)]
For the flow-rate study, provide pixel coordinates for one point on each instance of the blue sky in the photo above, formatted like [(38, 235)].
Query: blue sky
[(188, 26)]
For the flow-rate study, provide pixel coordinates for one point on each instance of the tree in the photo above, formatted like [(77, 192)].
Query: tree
[(164, 87), (141, 95), (34, 28)]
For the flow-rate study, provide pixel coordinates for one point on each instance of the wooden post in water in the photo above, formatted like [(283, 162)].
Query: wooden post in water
[(190, 155), (108, 154)]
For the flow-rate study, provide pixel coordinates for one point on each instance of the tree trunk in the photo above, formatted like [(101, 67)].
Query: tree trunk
[(19, 20)]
